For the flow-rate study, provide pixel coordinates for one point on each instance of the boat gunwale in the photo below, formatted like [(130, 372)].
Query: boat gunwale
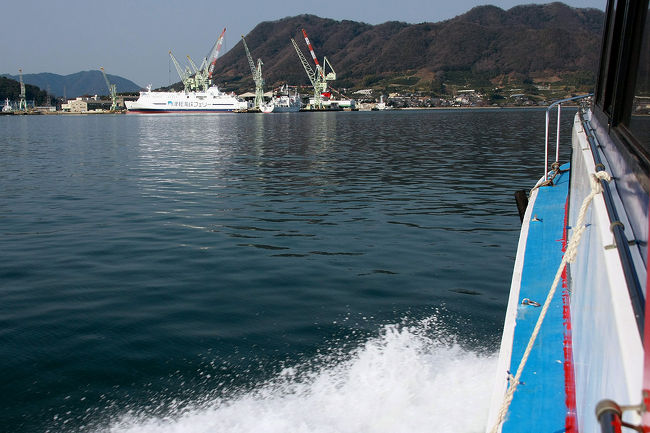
[(508, 334)]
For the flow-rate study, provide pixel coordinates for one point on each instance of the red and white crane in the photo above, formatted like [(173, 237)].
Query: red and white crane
[(203, 74), (320, 76), (214, 54)]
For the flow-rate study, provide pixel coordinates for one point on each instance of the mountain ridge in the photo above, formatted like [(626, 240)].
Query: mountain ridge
[(486, 46), (77, 84), (526, 42)]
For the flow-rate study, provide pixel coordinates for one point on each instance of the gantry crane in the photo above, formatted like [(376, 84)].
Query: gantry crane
[(200, 76), (257, 76), (111, 90), (318, 78), (22, 105), (183, 74), (202, 79)]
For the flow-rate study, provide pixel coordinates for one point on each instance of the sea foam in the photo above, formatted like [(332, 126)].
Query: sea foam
[(408, 379)]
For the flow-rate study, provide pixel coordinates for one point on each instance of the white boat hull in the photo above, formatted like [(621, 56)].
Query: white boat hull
[(605, 336), (210, 101)]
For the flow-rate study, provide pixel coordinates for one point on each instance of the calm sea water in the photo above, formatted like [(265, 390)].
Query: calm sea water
[(329, 272)]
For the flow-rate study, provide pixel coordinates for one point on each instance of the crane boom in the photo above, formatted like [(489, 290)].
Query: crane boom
[(214, 54), (310, 72), (329, 76), (200, 79), (311, 50), (22, 104), (111, 90), (178, 67), (184, 75), (318, 78), (249, 57), (192, 64), (257, 75)]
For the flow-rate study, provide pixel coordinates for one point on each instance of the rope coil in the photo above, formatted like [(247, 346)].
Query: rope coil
[(569, 257)]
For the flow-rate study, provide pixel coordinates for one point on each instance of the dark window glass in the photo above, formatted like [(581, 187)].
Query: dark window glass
[(615, 32), (639, 121), (606, 51)]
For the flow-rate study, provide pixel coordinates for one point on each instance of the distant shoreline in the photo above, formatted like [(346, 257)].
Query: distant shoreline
[(503, 107)]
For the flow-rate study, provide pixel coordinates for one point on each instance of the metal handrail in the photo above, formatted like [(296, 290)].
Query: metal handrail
[(557, 136)]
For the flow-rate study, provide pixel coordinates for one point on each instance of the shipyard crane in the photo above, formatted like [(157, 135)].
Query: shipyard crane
[(257, 76), (200, 75), (183, 74), (111, 90), (318, 78), (214, 54), (22, 105), (203, 74)]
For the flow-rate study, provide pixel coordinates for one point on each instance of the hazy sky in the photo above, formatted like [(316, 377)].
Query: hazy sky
[(132, 38)]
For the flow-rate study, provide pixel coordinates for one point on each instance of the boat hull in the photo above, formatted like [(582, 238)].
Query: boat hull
[(589, 347), (210, 101), (281, 109), (606, 341)]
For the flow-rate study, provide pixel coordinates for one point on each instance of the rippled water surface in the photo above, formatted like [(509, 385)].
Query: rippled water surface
[(326, 272)]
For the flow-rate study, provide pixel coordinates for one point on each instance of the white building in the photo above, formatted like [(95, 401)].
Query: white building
[(75, 106)]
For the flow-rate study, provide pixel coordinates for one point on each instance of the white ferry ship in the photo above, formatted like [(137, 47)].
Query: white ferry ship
[(211, 100)]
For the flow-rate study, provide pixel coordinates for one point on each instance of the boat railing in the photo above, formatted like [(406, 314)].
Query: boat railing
[(557, 104), (636, 291), (631, 275)]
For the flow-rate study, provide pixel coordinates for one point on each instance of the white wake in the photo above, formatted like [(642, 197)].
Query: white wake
[(405, 380)]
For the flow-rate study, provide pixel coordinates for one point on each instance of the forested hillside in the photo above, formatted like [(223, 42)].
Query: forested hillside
[(11, 89), (487, 45)]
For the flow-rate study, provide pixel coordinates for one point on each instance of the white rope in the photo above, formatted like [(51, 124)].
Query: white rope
[(569, 257)]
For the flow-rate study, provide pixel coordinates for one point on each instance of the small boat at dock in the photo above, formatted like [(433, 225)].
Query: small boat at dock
[(283, 102)]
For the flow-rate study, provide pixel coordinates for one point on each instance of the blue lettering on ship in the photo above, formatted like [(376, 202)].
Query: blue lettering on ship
[(188, 104)]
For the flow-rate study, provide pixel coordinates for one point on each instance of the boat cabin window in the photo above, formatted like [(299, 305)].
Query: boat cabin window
[(609, 52), (638, 118), (622, 109), (622, 97)]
